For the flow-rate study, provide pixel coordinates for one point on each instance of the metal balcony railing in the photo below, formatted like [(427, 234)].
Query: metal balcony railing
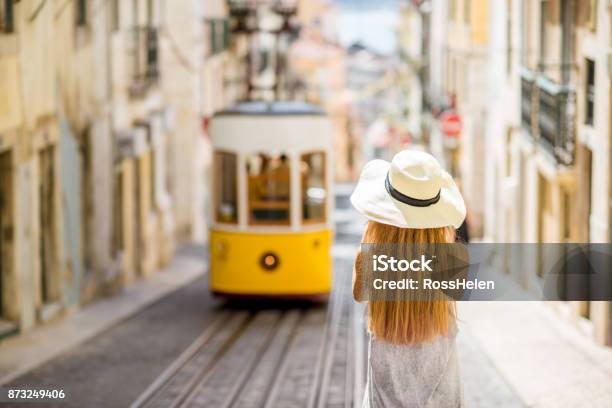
[(144, 59), (527, 93), (548, 114)]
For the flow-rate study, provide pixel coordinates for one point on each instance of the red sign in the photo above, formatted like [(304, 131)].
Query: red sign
[(406, 138), (452, 124), (205, 124)]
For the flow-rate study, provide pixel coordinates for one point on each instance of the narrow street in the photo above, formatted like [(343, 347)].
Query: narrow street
[(154, 153), (189, 349)]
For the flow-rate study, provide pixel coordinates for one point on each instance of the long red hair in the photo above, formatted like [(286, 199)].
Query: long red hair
[(406, 322)]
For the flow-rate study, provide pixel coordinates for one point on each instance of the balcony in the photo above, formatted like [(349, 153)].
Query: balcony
[(527, 94), (548, 114), (143, 57)]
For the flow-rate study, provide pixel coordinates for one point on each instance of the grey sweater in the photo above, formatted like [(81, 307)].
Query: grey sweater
[(425, 375)]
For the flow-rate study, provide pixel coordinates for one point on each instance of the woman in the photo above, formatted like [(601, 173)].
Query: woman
[(412, 358)]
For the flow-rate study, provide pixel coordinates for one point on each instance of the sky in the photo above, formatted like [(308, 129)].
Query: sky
[(370, 22)]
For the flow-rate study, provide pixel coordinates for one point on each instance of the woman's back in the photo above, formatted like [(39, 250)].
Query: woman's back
[(412, 359), (419, 375)]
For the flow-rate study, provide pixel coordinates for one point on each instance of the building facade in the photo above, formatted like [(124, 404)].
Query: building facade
[(103, 103), (559, 159), (453, 71), (466, 89), (531, 82)]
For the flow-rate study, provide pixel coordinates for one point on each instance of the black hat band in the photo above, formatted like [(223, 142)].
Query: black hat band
[(415, 202)]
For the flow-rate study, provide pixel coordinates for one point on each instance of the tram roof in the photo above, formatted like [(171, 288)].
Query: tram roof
[(280, 108)]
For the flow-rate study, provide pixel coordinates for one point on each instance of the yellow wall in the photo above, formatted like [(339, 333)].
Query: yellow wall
[(10, 102), (36, 44), (74, 58), (480, 21)]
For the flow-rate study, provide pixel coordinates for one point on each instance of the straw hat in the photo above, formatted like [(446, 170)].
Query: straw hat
[(412, 191)]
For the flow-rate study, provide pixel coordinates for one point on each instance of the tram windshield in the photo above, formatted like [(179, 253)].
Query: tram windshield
[(269, 189), (312, 174), (226, 187)]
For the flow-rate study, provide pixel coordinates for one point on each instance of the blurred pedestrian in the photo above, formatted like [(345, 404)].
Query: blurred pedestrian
[(412, 357)]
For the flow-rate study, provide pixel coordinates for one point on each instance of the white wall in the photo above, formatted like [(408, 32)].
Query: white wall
[(439, 22), (182, 59)]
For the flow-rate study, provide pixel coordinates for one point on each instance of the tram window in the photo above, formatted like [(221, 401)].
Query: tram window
[(312, 174), (226, 191), (269, 189)]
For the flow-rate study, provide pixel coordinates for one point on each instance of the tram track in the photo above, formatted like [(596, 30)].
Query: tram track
[(301, 357), (336, 375), (267, 373), (177, 381)]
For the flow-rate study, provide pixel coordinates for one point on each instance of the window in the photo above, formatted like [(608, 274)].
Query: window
[(590, 92), (592, 21), (525, 32), (115, 19), (150, 12), (452, 12), (467, 11), (508, 172), (269, 187), (118, 218), (81, 12), (543, 32), (226, 187), (509, 41), (218, 35), (566, 202), (6, 16), (312, 175)]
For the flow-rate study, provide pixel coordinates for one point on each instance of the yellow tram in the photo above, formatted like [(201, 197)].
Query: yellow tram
[(271, 209)]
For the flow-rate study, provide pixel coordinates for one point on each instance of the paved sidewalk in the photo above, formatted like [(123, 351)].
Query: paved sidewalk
[(483, 385), (544, 360), (22, 353)]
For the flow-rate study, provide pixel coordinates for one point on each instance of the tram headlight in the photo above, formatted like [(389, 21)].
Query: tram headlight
[(269, 261)]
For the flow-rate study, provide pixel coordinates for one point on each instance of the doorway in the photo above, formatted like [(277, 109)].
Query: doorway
[(609, 323), (137, 220), (585, 169), (584, 163), (87, 203), (118, 219), (48, 244), (7, 293), (544, 216)]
